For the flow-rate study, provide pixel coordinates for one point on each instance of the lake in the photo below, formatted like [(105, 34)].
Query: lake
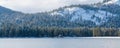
[(89, 42)]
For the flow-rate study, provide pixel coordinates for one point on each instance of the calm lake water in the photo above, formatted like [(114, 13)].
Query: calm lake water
[(60, 42)]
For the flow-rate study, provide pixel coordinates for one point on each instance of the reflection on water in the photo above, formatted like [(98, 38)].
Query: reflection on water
[(60, 43)]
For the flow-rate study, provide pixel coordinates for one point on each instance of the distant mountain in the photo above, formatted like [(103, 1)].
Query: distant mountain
[(5, 10), (100, 14)]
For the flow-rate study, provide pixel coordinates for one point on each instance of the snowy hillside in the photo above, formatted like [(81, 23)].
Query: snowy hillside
[(78, 14), (98, 15)]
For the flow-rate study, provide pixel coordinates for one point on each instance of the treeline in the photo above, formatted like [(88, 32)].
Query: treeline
[(58, 32)]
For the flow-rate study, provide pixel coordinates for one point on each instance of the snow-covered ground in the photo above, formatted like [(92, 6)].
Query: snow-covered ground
[(89, 42)]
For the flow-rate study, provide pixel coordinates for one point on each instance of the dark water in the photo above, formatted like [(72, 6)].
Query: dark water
[(100, 42)]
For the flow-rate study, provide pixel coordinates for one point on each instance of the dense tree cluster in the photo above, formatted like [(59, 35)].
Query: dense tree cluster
[(57, 32)]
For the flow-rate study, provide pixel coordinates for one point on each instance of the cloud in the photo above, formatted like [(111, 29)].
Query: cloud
[(32, 6)]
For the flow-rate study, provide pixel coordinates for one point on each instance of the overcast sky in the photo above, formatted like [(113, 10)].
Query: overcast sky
[(33, 6)]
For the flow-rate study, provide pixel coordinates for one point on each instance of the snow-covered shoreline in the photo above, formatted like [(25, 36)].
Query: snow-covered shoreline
[(68, 38)]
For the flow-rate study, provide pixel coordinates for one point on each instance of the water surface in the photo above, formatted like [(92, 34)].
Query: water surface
[(60, 43)]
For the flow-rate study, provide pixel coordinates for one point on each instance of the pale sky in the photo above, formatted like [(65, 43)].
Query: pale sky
[(33, 6)]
